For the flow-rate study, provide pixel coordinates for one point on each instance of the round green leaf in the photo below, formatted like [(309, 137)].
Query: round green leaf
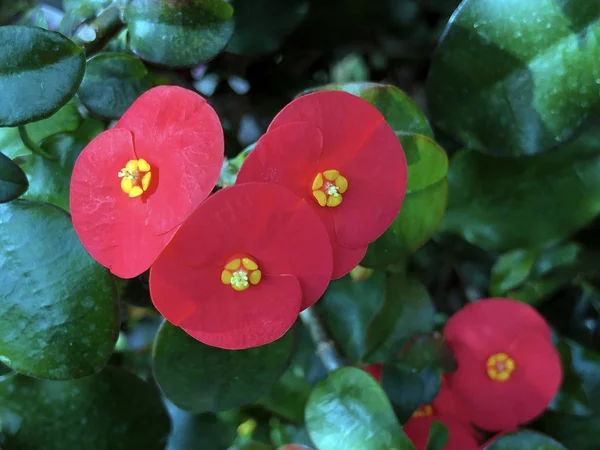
[(349, 410), (178, 34), (58, 313), (198, 378), (505, 204), (13, 181), (524, 440), (438, 436), (399, 110), (110, 410), (264, 33), (517, 77), (111, 83), (39, 72)]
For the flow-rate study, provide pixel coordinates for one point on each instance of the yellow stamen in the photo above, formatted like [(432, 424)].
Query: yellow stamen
[(423, 411), (328, 187), (135, 177), (240, 273), (500, 367)]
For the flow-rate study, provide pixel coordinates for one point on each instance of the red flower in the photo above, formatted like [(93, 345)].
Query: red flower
[(335, 150), (374, 370), (460, 436), (242, 267), (508, 369), (445, 404), (133, 185)]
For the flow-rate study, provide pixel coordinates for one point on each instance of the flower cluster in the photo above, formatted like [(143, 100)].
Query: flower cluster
[(235, 269), (507, 373)]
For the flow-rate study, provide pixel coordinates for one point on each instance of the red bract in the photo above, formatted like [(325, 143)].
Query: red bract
[(133, 185), (460, 437), (337, 151), (242, 267), (508, 369), (374, 370)]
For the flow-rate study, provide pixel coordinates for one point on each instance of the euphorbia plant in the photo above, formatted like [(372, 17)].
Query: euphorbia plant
[(294, 225)]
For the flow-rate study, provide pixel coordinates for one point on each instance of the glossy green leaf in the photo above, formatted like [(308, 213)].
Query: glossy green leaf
[(112, 82), (574, 432), (39, 72), (198, 431), (199, 378), (349, 410), (423, 207), (511, 270), (50, 179), (13, 181), (110, 410), (503, 204), (524, 440), (265, 32), (407, 310), (178, 34), (517, 77), (58, 315), (438, 436), (399, 110)]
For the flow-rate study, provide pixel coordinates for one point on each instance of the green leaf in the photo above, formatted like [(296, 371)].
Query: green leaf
[(438, 436), (525, 440), (399, 110), (112, 409), (407, 311), (112, 82), (264, 33), (505, 204), (50, 179), (423, 207), (178, 34), (199, 378), (39, 72), (58, 315), (13, 181), (348, 307), (511, 270), (517, 77), (349, 410), (198, 431), (575, 432)]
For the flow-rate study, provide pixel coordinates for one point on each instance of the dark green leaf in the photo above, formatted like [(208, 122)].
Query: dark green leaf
[(264, 33), (349, 410), (525, 440), (423, 206), (347, 307), (438, 436), (50, 179), (198, 431), (58, 315), (39, 72), (575, 432), (178, 34), (13, 181), (399, 110), (503, 204), (511, 270), (112, 82), (110, 410), (516, 78), (198, 378), (407, 311)]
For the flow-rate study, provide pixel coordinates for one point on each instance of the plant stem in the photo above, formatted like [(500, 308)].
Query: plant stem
[(94, 35), (33, 146), (326, 350)]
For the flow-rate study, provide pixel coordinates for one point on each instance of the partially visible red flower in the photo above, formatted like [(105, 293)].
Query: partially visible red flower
[(337, 151), (460, 436), (242, 267), (374, 370), (508, 369), (133, 185)]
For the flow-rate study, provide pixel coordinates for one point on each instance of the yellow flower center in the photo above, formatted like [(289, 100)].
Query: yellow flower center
[(135, 177), (500, 366), (240, 272), (423, 411), (328, 187)]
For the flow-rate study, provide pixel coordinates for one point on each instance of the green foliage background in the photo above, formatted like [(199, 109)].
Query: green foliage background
[(496, 103)]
